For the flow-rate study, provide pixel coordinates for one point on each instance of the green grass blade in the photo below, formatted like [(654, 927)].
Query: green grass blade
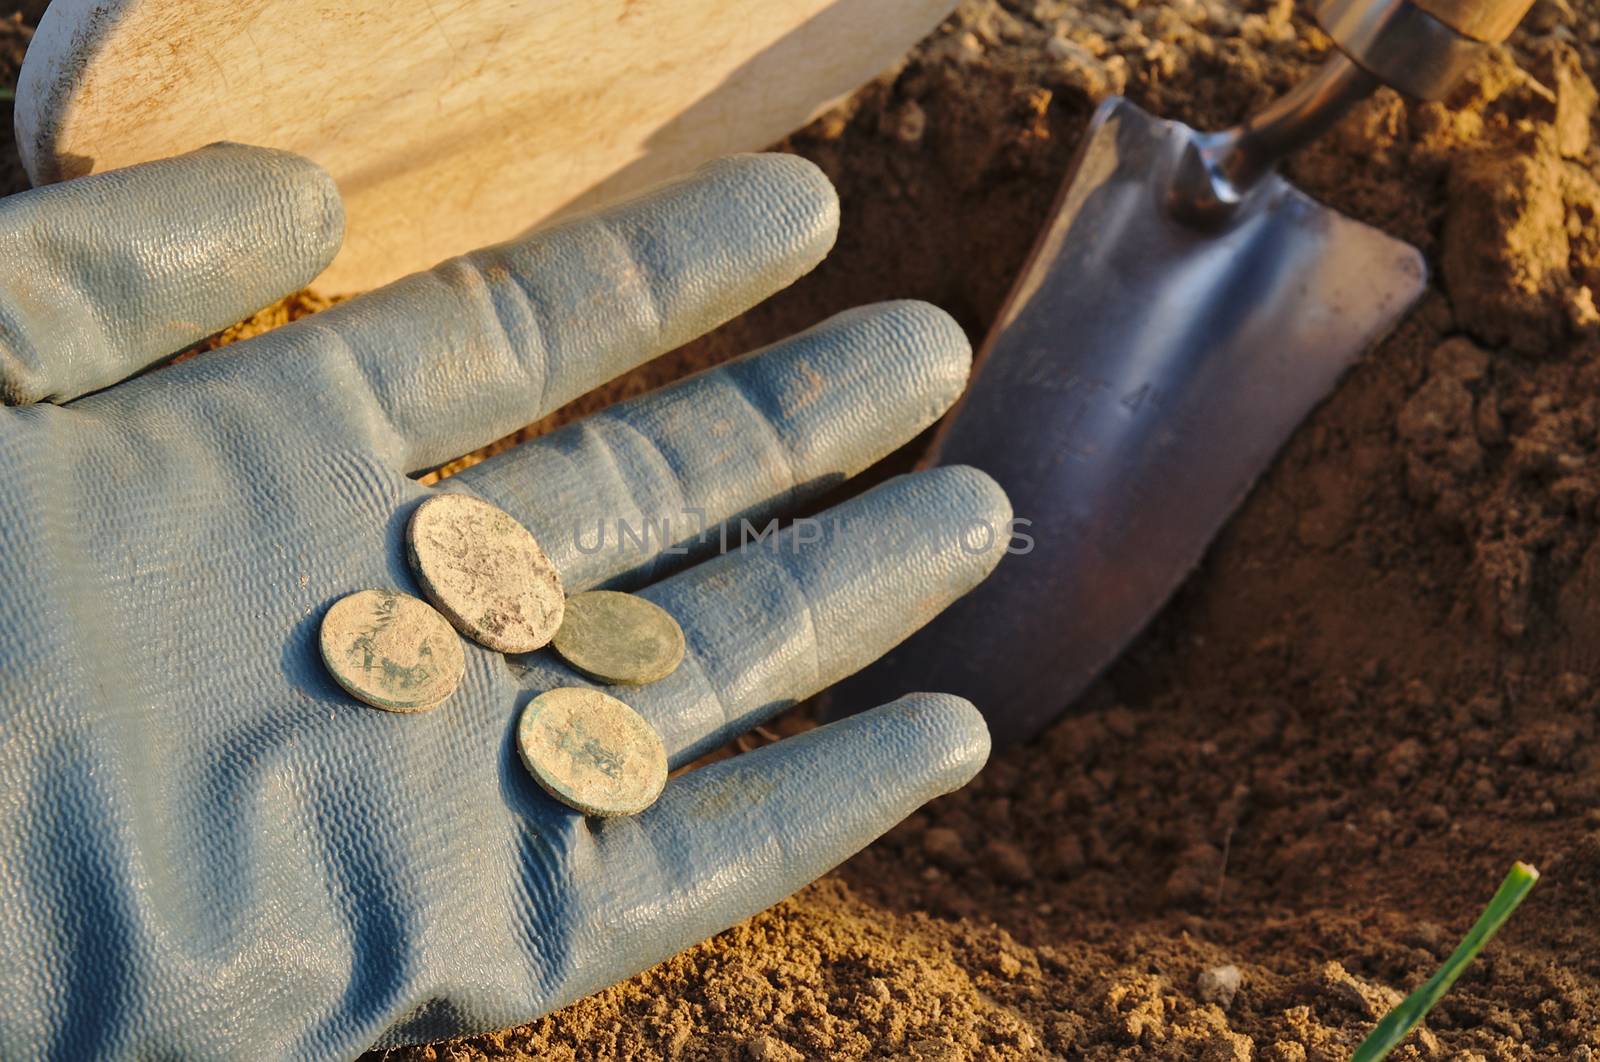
[(1398, 1023)]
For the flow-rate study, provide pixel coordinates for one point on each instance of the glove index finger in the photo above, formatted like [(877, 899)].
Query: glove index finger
[(112, 272), (437, 364)]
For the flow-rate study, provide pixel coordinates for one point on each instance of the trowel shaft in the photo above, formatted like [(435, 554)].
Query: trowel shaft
[(1421, 47)]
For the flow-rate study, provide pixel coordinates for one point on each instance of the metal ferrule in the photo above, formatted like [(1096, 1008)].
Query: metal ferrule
[(1400, 44), (1217, 172), (1380, 41)]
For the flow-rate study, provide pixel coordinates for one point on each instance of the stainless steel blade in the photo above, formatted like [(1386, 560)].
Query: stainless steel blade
[(1142, 375)]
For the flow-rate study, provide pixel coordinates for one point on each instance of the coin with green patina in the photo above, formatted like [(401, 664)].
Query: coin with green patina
[(619, 638), (592, 752), (391, 650), (485, 572)]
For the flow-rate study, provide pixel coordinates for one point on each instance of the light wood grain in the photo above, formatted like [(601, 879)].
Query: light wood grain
[(1483, 20), (447, 123)]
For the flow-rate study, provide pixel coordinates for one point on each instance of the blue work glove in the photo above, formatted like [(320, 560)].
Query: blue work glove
[(209, 849)]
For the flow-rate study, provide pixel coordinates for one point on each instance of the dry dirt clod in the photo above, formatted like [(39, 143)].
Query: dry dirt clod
[(1009, 863), (770, 1049), (1506, 249), (1007, 964), (1066, 857), (1196, 876), (1284, 1051), (929, 1049), (1437, 418), (1560, 67), (1228, 1047), (1459, 358), (1368, 1000), (946, 848), (1504, 573)]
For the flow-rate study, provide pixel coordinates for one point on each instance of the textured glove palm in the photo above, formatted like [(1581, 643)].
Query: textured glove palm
[(211, 851)]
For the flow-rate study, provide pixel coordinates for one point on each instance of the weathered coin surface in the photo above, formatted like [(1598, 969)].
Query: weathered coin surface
[(485, 572), (592, 752), (391, 650), (619, 638)]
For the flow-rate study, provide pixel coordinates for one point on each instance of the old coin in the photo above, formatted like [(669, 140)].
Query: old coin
[(485, 572), (592, 752), (391, 650), (619, 638)]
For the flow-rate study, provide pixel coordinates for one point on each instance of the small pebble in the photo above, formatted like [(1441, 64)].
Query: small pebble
[(1219, 985), (391, 650), (912, 123)]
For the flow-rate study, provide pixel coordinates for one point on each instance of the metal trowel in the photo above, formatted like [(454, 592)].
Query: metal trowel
[(1183, 311)]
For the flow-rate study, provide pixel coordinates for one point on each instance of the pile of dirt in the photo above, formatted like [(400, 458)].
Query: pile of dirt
[(1378, 691), (16, 30), (1285, 803)]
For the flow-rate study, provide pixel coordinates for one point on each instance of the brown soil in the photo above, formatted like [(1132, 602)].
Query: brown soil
[(1378, 691)]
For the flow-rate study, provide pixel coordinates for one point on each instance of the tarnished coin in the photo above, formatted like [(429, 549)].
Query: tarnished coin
[(592, 752), (619, 638), (485, 572), (391, 651)]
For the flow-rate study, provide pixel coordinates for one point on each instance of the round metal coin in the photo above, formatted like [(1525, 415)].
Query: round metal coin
[(391, 650), (485, 572), (619, 638), (592, 752)]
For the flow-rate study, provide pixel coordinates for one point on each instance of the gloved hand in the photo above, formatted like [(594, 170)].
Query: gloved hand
[(209, 849)]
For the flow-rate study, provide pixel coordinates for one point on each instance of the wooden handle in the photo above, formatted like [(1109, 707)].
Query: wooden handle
[(447, 136), (1482, 20)]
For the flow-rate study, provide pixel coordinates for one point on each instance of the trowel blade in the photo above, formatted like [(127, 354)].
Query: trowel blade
[(1140, 378)]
